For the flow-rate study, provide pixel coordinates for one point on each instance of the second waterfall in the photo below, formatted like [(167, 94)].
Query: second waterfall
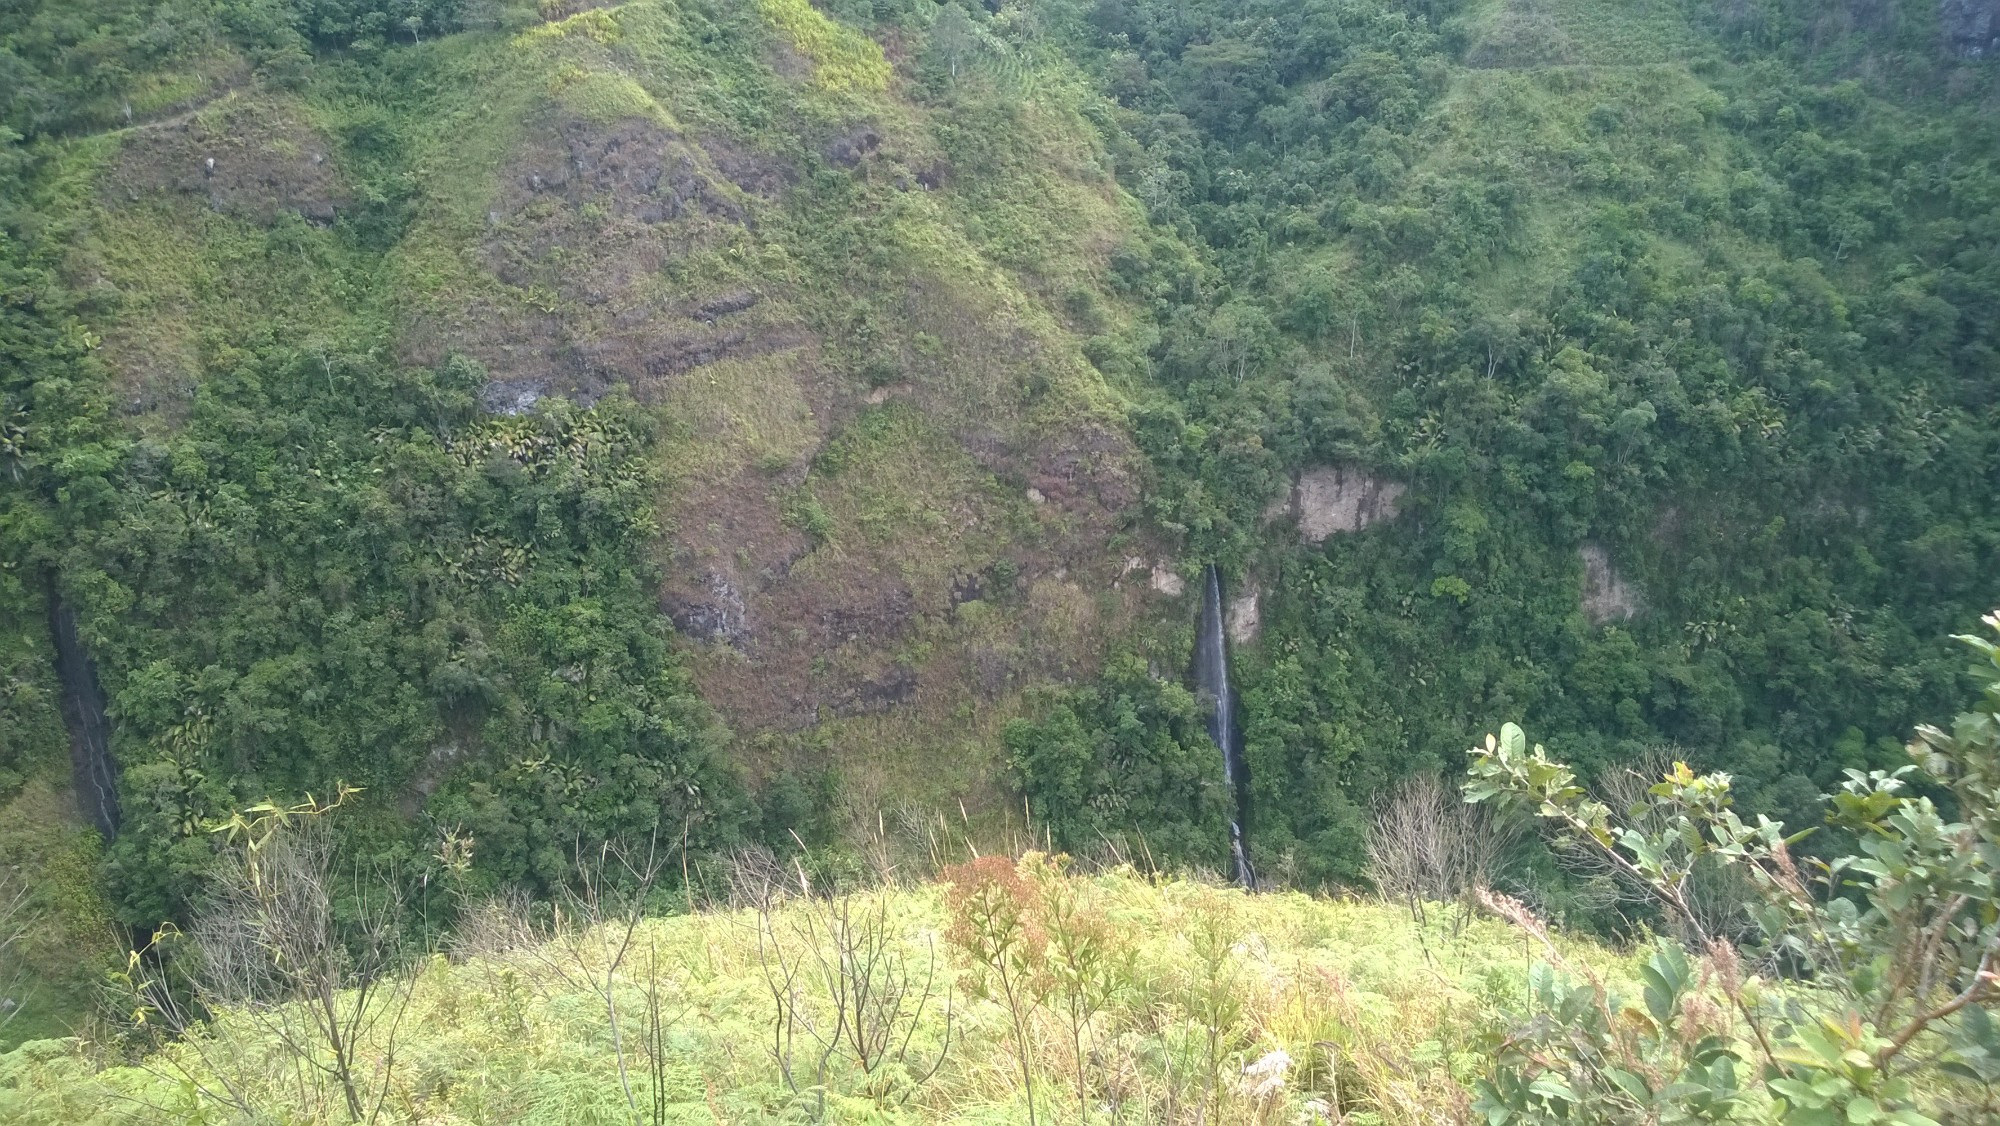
[(1218, 697)]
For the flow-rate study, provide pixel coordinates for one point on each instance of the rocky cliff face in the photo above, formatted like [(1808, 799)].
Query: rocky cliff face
[(1330, 499), (1971, 27)]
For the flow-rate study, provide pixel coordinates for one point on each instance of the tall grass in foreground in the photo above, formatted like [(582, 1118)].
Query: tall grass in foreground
[(1125, 1000)]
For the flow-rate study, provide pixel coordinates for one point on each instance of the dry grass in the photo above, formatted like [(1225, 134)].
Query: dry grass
[(1219, 1007)]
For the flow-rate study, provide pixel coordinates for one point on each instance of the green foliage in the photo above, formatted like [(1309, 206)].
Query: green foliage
[(1700, 285), (343, 23), (1127, 759), (55, 924), (334, 569), (1586, 1055), (1706, 287), (61, 66), (66, 66), (301, 556), (843, 58), (1899, 938)]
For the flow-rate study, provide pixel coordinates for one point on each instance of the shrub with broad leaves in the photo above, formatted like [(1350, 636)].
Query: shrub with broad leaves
[(1863, 996)]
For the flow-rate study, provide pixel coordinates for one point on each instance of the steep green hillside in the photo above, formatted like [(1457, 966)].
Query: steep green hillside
[(1666, 327), (439, 382), (831, 295)]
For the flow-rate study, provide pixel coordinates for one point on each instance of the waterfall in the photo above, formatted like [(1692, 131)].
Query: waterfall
[(94, 770), (1211, 678)]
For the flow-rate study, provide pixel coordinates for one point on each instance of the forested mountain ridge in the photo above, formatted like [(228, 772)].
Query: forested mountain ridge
[(1682, 305), (762, 419)]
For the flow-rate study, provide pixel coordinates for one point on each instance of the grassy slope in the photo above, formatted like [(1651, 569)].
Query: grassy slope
[(55, 973), (1381, 1016)]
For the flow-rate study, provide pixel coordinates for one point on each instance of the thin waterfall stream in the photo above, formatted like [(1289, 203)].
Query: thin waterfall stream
[(84, 713), (1218, 696)]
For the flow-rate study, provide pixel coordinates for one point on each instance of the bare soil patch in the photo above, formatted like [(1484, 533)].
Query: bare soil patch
[(246, 160)]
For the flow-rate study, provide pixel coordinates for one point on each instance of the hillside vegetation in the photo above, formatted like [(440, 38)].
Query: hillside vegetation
[(782, 426), (1852, 990), (1349, 1005), (1671, 317), (429, 390)]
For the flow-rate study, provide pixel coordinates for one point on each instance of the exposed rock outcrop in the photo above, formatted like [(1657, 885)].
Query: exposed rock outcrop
[(1607, 596), (716, 614), (1971, 27), (1245, 617), (1330, 499), (634, 168)]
